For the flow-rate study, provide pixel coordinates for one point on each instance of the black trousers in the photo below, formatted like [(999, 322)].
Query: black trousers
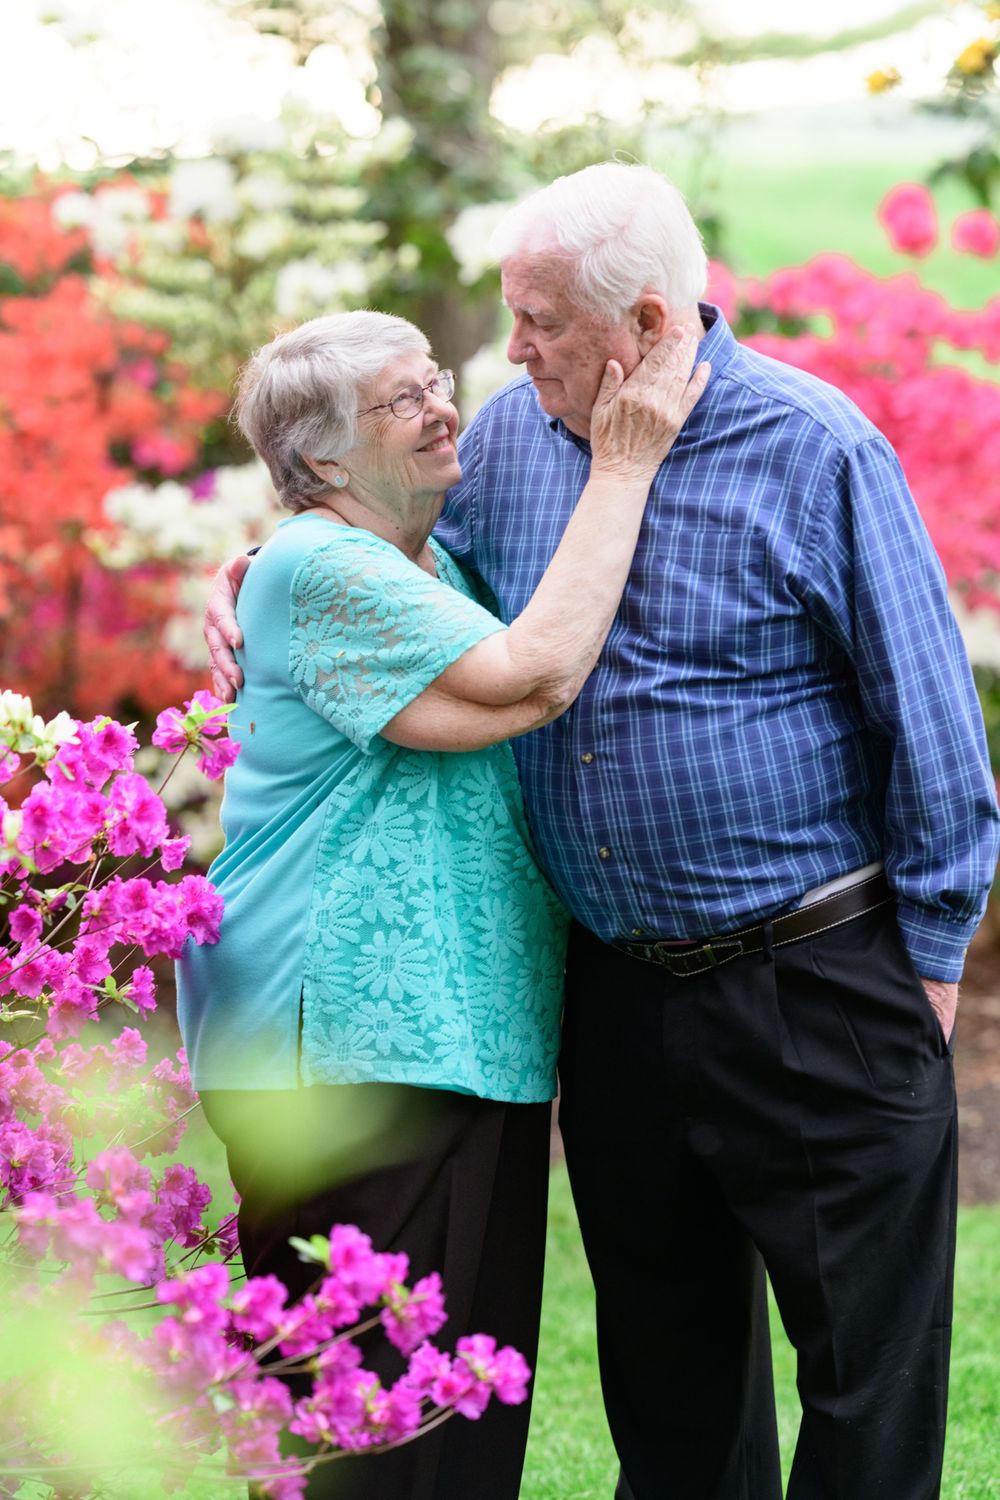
[(795, 1108), (458, 1183)]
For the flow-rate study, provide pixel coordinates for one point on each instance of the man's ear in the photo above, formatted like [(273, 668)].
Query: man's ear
[(651, 320)]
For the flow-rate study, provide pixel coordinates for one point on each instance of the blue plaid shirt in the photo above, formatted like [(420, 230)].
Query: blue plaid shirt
[(784, 695)]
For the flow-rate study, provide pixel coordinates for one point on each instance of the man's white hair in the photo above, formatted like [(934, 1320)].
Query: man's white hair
[(300, 393), (624, 229)]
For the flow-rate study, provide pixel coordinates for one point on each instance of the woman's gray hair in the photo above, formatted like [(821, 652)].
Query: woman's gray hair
[(624, 229), (300, 393)]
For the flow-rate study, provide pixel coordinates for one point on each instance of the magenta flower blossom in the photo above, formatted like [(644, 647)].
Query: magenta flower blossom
[(411, 1317), (258, 1307), (25, 925), (103, 748), (216, 759), (909, 218), (116, 1176), (203, 718), (139, 821), (184, 1198), (976, 233)]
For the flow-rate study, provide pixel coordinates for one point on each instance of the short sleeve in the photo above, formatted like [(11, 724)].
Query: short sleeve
[(369, 630)]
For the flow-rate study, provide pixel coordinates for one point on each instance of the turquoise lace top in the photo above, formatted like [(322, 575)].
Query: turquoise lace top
[(385, 918)]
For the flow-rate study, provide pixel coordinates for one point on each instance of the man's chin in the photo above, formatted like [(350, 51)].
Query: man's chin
[(551, 396)]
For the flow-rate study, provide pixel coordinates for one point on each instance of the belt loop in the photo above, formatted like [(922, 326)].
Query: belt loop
[(767, 935)]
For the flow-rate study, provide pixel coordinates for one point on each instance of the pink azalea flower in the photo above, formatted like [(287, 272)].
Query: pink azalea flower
[(170, 733), (173, 852), (25, 925), (115, 1174), (184, 1198), (413, 1316), (139, 820), (909, 218), (131, 1251), (216, 759), (141, 989), (976, 233), (258, 1307)]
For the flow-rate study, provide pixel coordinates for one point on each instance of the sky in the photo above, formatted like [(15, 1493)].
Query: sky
[(143, 75)]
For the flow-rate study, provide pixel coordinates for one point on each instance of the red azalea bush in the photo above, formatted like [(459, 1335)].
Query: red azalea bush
[(884, 342), (85, 401), (97, 1209)]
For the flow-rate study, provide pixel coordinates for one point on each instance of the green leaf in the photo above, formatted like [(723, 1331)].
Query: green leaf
[(315, 1250)]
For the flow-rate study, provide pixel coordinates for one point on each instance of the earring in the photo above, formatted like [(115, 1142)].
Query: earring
[(340, 480)]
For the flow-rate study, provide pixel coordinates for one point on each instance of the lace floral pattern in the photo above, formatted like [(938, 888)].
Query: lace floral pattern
[(434, 949)]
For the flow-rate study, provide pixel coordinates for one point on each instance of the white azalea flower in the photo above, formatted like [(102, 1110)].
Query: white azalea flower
[(262, 237), (205, 187), (264, 191), (981, 633), (240, 134), (16, 711), (306, 287), (469, 239), (484, 373), (74, 210)]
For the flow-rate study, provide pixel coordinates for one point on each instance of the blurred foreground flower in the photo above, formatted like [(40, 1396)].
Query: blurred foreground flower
[(89, 1405)]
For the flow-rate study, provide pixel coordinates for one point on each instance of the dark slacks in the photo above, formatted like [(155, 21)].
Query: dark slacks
[(795, 1108), (458, 1183)]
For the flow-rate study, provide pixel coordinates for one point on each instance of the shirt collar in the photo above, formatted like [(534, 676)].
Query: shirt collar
[(718, 345)]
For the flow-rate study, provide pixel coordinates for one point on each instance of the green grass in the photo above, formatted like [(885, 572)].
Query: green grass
[(781, 204), (569, 1452)]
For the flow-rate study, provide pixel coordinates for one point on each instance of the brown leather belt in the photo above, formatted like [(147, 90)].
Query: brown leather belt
[(808, 922)]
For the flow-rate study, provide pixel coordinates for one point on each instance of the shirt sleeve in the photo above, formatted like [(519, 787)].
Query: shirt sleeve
[(370, 630), (879, 589)]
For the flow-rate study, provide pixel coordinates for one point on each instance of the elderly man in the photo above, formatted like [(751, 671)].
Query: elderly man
[(771, 814)]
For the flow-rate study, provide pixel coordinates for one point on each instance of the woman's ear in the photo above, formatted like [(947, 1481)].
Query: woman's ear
[(327, 469), (652, 319)]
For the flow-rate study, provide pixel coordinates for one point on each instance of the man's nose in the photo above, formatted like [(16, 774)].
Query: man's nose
[(519, 347)]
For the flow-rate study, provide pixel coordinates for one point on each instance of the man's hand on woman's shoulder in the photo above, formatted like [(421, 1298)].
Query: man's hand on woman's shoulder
[(222, 633)]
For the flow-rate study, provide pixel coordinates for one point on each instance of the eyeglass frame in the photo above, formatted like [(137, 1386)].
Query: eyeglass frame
[(447, 375)]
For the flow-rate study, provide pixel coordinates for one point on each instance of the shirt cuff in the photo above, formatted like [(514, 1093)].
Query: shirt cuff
[(936, 946)]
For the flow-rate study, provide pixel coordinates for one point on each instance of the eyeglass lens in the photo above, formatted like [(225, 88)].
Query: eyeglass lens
[(408, 403)]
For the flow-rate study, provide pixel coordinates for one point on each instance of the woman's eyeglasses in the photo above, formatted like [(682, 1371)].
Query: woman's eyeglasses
[(408, 403)]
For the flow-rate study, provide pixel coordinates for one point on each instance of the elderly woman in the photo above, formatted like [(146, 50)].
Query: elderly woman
[(375, 1034)]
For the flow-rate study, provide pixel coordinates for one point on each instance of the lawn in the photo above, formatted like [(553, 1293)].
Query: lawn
[(569, 1452)]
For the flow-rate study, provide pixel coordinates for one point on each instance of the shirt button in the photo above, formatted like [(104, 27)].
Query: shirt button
[(604, 852), (587, 757)]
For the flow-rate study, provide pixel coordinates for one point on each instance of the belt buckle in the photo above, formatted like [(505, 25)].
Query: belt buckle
[(700, 960)]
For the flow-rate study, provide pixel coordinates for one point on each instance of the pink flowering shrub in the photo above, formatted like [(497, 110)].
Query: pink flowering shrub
[(100, 1226), (885, 342)]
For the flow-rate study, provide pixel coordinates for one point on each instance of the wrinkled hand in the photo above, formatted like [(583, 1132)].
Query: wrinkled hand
[(944, 1003), (635, 421), (222, 633)]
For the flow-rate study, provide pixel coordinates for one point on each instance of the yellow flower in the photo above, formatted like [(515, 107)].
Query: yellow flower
[(882, 80), (992, 11), (977, 57)]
